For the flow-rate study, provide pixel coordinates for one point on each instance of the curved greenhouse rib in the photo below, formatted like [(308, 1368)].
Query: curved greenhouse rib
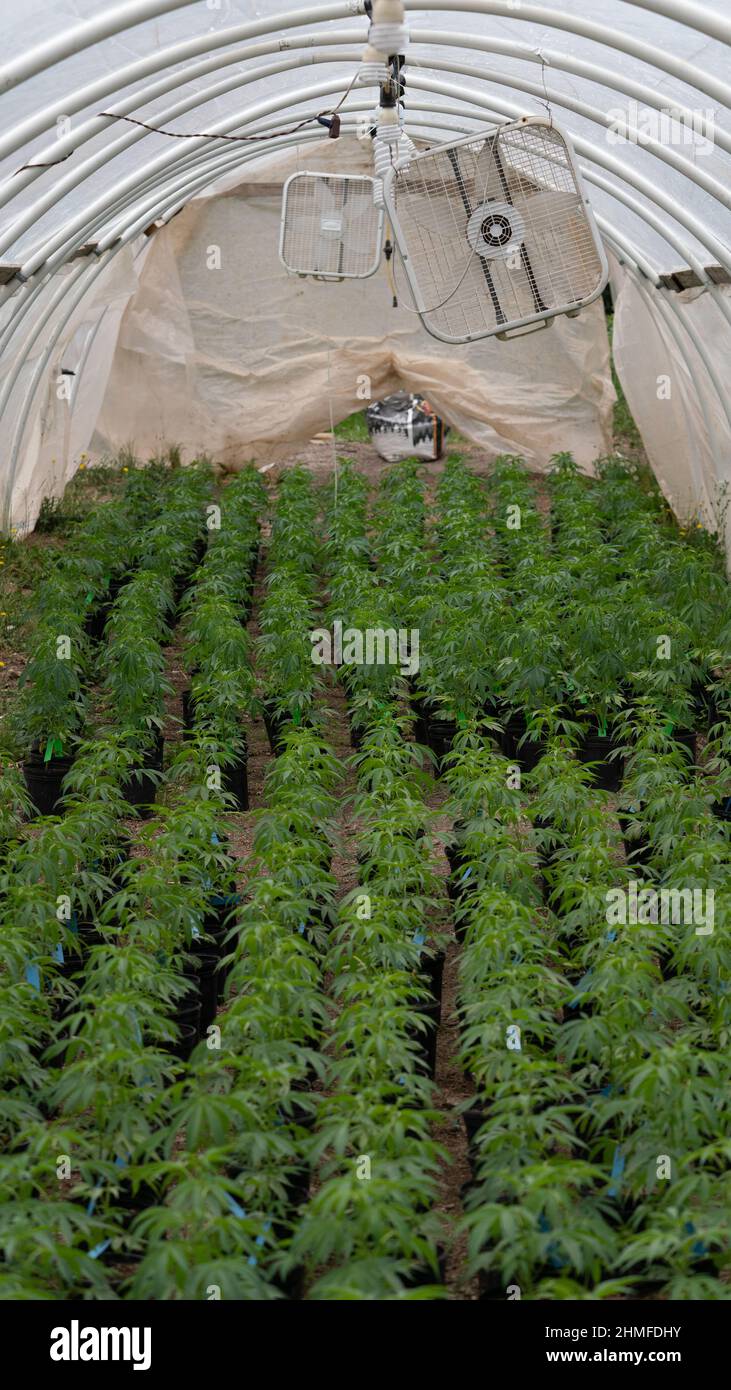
[(551, 58), (121, 79), (541, 91), (223, 161), (89, 129), (659, 225), (47, 253), (697, 17), (131, 135), (719, 249), (603, 35), (74, 243), (216, 165), (71, 41)]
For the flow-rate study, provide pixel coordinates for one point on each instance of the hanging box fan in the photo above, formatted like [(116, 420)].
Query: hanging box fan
[(495, 233), (331, 228)]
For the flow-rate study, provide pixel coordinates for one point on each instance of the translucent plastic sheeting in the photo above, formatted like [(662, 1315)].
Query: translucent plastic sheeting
[(677, 408), (612, 72), (545, 52), (61, 423), (246, 361)]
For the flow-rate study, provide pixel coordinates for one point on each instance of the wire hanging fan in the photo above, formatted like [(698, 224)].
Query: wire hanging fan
[(330, 227), (495, 233)]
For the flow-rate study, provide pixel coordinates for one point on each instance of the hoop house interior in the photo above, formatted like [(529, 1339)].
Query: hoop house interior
[(109, 281)]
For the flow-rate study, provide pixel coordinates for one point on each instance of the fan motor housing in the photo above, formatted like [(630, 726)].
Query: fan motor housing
[(494, 231)]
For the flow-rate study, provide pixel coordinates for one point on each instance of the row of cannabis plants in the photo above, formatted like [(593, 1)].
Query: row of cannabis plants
[(112, 961), (370, 1225), (588, 1181)]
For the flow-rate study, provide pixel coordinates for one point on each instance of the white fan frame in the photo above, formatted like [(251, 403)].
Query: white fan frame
[(529, 323), (314, 275)]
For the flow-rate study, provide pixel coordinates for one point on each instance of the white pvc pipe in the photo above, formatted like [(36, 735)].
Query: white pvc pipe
[(585, 147), (697, 17), (9, 289), (602, 34), (225, 158), (113, 231), (70, 144), (722, 253), (175, 54), (214, 168), (522, 11), (664, 230), (550, 58), (81, 36), (721, 303), (79, 173)]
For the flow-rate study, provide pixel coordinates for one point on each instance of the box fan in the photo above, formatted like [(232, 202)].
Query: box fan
[(495, 233), (331, 228)]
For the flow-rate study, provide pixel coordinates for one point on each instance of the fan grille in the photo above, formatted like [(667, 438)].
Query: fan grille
[(496, 231), (330, 226)]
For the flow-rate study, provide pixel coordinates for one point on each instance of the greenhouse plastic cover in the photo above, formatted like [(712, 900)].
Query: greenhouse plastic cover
[(250, 353), (229, 66)]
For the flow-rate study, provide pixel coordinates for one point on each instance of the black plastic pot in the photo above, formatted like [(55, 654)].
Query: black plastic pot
[(83, 937), (428, 1041), (688, 738), (356, 733), (433, 968), (44, 781), (274, 722), (530, 752), (217, 926), (188, 709), (639, 850), (596, 748), (140, 793), (116, 584), (722, 809), (421, 730), (453, 852), (180, 588), (424, 1275), (546, 857), (90, 937), (186, 1041), (440, 737), (144, 1197), (458, 888), (292, 1285), (96, 621), (235, 779), (188, 1012), (153, 758), (201, 546), (205, 975), (704, 704), (140, 790)]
